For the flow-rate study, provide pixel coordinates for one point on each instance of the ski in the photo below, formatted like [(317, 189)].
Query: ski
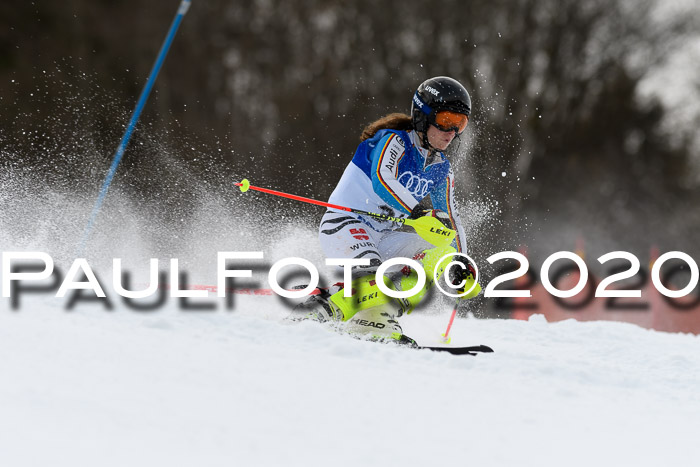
[(468, 350)]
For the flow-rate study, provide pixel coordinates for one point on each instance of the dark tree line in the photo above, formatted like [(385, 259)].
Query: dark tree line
[(280, 91)]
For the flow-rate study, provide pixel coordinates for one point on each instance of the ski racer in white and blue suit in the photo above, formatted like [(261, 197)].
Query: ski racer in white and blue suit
[(399, 169)]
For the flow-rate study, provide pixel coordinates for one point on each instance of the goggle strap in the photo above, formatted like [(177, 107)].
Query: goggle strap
[(425, 108)]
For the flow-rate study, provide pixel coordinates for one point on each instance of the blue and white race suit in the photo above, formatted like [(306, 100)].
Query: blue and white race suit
[(390, 173)]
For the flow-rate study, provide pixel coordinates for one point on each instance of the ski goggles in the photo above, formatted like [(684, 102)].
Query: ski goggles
[(446, 120)]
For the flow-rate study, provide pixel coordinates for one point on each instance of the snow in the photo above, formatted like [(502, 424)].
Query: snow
[(244, 387)]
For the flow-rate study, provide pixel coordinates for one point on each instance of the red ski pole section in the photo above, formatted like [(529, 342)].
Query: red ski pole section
[(452, 320), (298, 198)]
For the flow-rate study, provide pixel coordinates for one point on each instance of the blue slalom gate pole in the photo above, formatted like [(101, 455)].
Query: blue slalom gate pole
[(182, 9)]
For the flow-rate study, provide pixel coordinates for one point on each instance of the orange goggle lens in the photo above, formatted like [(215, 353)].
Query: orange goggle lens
[(447, 120)]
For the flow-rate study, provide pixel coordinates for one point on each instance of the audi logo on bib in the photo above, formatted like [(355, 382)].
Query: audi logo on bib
[(417, 186)]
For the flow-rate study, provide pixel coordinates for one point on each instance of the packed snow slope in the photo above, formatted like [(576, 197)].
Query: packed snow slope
[(169, 387), (220, 388)]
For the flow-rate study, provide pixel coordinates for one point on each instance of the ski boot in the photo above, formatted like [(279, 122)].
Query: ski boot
[(369, 311), (317, 307)]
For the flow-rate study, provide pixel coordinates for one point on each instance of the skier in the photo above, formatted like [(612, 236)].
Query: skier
[(399, 169)]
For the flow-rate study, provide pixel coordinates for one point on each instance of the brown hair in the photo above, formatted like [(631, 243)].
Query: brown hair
[(395, 121)]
